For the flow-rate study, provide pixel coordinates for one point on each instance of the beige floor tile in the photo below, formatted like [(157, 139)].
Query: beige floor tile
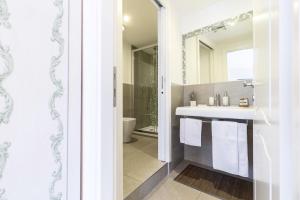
[(128, 150), (140, 162), (151, 150), (204, 196), (143, 142), (141, 166), (172, 190), (130, 184)]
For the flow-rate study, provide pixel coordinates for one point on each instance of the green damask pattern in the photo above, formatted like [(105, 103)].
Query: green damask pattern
[(4, 15), (6, 68), (57, 138), (3, 159), (6, 63)]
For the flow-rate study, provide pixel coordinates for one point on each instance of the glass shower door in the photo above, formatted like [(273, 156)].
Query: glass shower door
[(145, 89)]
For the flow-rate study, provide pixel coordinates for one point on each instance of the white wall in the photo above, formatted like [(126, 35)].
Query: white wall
[(192, 53), (38, 131), (127, 63), (175, 44)]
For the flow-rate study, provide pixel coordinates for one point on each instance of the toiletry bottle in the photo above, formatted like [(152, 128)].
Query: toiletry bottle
[(226, 99), (218, 100)]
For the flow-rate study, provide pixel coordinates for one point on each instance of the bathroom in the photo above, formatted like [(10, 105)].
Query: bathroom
[(149, 99)]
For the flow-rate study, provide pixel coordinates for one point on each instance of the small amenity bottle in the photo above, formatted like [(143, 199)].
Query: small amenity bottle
[(225, 99)]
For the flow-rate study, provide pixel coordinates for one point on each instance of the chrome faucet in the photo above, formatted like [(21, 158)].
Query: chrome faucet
[(248, 83)]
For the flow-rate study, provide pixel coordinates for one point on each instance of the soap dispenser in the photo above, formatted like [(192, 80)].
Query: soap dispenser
[(225, 99)]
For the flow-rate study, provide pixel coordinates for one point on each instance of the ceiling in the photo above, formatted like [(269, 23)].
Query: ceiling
[(141, 28), (186, 6), (241, 29)]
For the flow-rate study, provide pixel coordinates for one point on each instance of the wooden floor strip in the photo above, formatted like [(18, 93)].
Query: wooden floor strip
[(216, 184)]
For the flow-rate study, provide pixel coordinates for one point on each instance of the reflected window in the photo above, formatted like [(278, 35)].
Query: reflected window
[(240, 64)]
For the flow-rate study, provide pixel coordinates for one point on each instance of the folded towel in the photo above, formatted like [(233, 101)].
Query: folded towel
[(193, 132), (182, 130), (243, 150), (225, 146)]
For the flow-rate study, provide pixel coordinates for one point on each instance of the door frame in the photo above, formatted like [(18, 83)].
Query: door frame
[(164, 95), (102, 124), (164, 86), (74, 101)]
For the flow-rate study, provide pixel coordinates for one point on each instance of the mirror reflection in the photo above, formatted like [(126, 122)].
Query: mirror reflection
[(220, 52)]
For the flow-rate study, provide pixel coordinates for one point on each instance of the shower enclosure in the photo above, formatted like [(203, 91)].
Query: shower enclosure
[(145, 67)]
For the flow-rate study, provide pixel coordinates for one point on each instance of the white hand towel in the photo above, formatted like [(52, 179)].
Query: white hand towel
[(225, 146), (193, 132), (182, 130), (243, 150)]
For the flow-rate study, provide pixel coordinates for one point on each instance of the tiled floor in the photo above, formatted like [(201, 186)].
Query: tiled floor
[(172, 190), (140, 162)]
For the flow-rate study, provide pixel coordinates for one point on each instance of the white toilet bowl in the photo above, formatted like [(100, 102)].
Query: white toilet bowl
[(128, 128)]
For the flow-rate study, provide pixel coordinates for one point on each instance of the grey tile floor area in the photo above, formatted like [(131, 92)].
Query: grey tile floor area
[(140, 162), (169, 189)]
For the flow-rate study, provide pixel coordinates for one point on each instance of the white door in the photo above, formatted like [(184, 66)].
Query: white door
[(40, 99), (266, 127), (276, 140)]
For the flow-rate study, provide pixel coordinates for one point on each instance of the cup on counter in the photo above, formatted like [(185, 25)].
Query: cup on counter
[(211, 101), (193, 103)]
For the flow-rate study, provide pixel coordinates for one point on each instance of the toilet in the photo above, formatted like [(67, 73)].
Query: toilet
[(128, 128)]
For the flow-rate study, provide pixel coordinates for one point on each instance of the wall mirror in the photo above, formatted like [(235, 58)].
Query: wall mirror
[(220, 52)]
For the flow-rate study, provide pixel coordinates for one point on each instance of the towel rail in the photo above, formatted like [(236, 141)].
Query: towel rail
[(209, 120)]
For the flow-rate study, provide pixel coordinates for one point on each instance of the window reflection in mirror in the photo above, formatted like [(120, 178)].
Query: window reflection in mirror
[(240, 64), (220, 52)]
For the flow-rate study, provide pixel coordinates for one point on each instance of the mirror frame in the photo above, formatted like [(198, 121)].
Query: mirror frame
[(211, 28)]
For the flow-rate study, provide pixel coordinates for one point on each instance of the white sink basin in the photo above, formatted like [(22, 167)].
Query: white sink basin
[(218, 112)]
